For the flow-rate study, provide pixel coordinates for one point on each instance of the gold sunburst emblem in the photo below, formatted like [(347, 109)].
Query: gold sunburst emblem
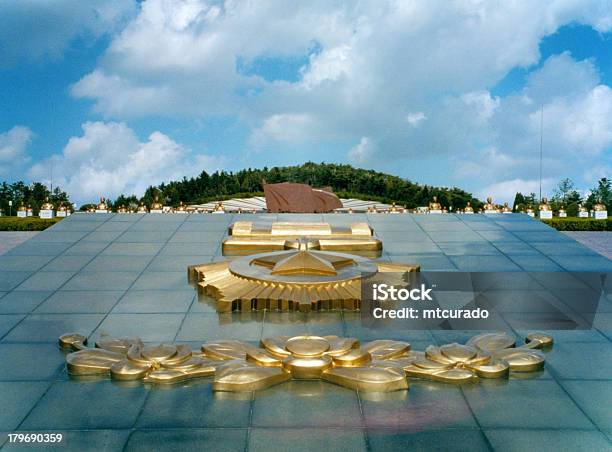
[(303, 278)]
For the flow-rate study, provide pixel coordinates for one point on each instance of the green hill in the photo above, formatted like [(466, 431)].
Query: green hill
[(346, 181)]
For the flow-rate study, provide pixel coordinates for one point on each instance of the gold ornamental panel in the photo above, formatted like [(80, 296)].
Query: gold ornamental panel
[(247, 237), (377, 366)]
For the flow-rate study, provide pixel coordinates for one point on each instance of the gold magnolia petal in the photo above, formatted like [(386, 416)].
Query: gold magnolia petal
[(340, 345), (158, 353), (386, 349), (262, 357), (521, 359), (134, 355), (276, 345), (355, 358), (72, 341), (307, 368), (119, 345), (307, 346), (458, 353), (451, 375), (192, 362), (183, 353), (496, 369), (225, 350), (92, 361), (490, 342), (241, 376), (371, 379), (127, 371), (538, 340)]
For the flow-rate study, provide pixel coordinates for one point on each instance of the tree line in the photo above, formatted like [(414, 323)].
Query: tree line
[(565, 195)]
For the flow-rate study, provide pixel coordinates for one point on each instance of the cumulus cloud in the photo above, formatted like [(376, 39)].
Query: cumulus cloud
[(504, 191), (372, 69), (363, 152), (109, 159), (13, 146), (51, 26)]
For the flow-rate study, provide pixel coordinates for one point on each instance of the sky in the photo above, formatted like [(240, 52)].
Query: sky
[(110, 96)]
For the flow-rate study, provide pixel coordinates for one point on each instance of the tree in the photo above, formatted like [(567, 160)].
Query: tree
[(602, 193)]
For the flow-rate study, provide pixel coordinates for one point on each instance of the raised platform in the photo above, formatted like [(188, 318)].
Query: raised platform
[(126, 275)]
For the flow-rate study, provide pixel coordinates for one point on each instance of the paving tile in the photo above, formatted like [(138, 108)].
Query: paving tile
[(426, 405), (137, 301), (113, 226), (144, 236), (512, 248), (497, 235), (579, 360), (535, 263), (22, 263), (149, 327), (77, 441), (468, 248), (45, 281), (428, 262), (17, 399), (10, 280), (30, 361), (447, 440), (132, 249), (67, 263), (102, 236), (462, 237), (305, 439), (166, 263), (30, 248), (420, 247), (8, 321), (197, 237), (49, 327), (224, 440), (549, 440), (306, 404), (101, 281), (150, 280), (73, 405), (195, 249), (22, 301), (207, 327), (484, 263), (85, 248), (524, 404), (200, 407), (594, 397), (79, 302), (584, 263), (564, 249), (58, 236), (118, 263)]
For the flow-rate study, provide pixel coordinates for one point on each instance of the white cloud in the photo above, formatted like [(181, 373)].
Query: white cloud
[(109, 159), (31, 29), (286, 127), (414, 119), (13, 146), (363, 152), (504, 191), (376, 67)]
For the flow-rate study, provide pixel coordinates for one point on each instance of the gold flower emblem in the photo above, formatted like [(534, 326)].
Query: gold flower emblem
[(379, 366)]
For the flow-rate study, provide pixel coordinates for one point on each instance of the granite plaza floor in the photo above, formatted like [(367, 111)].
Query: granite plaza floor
[(126, 275)]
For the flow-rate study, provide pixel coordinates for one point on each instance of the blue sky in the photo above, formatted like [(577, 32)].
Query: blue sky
[(115, 96)]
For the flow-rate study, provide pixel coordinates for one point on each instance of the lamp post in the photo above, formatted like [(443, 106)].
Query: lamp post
[(10, 208)]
